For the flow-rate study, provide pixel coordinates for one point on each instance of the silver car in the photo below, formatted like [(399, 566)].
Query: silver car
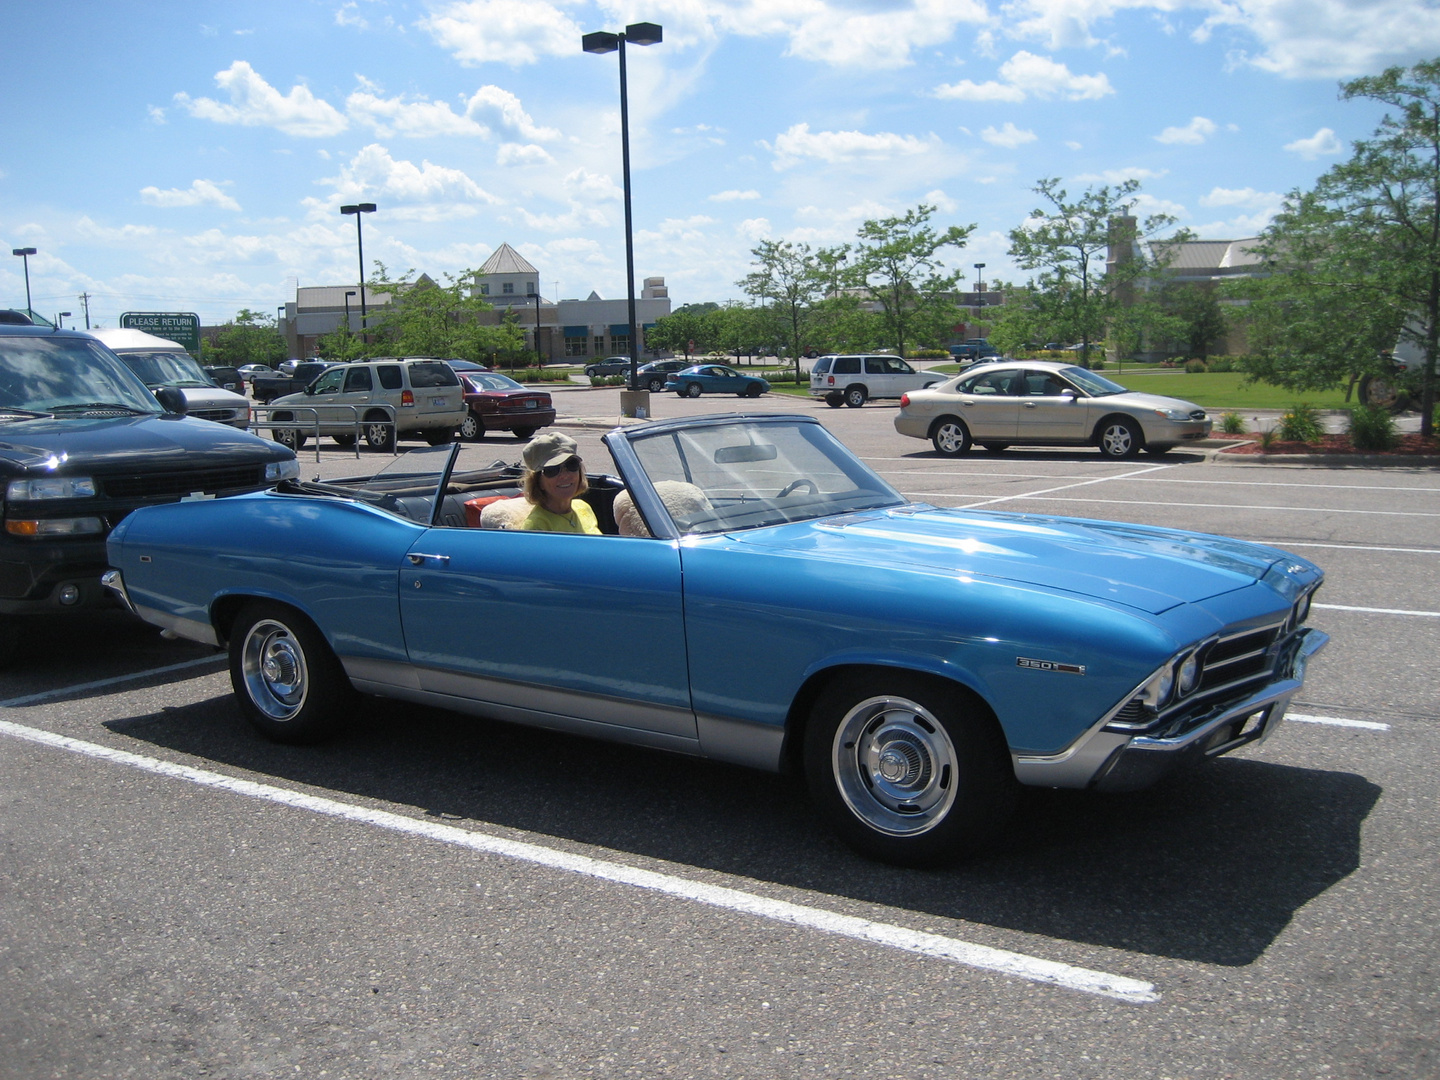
[(1035, 403)]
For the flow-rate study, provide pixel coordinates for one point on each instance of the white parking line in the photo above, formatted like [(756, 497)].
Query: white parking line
[(1047, 495), (1337, 721), (830, 922), (49, 695), (1377, 610)]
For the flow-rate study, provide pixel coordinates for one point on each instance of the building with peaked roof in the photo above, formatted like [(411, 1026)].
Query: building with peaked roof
[(556, 329)]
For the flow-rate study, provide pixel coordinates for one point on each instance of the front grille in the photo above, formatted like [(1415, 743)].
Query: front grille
[(157, 485), (220, 416), (1237, 657)]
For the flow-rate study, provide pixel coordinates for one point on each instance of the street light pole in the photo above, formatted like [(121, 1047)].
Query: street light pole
[(600, 42), (25, 254), (60, 320), (979, 295), (359, 209), (348, 293)]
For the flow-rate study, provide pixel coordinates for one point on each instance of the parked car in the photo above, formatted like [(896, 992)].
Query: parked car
[(1040, 403), (161, 362), (967, 651), (266, 386), (381, 399), (973, 349), (249, 371), (465, 366), (227, 378), (84, 443), (611, 365), (654, 374), (715, 379), (495, 402), (854, 380)]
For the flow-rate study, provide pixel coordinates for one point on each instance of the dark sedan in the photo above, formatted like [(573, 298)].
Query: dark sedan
[(497, 403), (654, 374)]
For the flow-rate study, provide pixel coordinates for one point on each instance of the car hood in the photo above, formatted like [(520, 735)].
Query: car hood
[(1138, 400), (109, 443), (1148, 569)]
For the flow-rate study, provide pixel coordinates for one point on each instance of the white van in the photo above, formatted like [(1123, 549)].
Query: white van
[(161, 362), (854, 380)]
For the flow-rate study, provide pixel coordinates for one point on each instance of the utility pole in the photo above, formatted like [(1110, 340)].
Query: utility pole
[(85, 299)]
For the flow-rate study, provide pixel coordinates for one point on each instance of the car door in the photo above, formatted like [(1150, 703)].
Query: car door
[(581, 633), (1049, 414), (325, 393), (990, 404)]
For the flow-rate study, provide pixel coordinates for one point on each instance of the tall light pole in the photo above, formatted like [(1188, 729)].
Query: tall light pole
[(348, 293), (60, 320), (602, 41), (360, 209), (25, 254), (979, 294)]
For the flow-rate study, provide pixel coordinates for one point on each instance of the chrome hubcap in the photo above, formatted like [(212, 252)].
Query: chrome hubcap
[(273, 665), (895, 766)]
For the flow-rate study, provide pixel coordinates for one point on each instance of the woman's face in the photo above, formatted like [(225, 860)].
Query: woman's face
[(560, 489)]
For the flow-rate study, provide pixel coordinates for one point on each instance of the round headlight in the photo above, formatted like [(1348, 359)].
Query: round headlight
[(1189, 675)]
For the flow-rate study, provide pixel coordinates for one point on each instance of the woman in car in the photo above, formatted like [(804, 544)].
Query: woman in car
[(554, 480)]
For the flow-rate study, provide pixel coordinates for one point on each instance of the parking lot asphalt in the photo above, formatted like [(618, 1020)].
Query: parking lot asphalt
[(436, 895)]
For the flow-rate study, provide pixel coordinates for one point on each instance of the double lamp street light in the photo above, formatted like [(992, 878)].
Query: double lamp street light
[(25, 254), (359, 210), (602, 41)]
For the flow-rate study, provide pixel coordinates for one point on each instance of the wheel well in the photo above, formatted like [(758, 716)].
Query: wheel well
[(376, 414), (941, 419), (857, 386), (793, 749), (226, 609)]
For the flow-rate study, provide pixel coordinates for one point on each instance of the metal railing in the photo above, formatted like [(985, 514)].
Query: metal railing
[(305, 419)]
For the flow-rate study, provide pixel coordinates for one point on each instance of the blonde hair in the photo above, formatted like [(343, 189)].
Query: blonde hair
[(530, 486)]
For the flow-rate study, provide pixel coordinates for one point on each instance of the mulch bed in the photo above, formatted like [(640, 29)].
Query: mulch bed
[(1339, 445)]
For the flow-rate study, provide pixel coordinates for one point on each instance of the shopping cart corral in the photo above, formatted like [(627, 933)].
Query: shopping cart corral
[(293, 425)]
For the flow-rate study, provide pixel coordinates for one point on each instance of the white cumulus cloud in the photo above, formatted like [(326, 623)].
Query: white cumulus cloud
[(1192, 134), (255, 103), (200, 193), (1026, 75), (1008, 136), (734, 195), (414, 119), (1323, 143), (834, 147), (505, 110), (503, 32), (374, 174)]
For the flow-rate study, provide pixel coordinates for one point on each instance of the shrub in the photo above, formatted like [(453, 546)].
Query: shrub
[(1372, 428), (1267, 438), (1301, 423), (1222, 364), (1195, 367), (929, 354), (1232, 423)]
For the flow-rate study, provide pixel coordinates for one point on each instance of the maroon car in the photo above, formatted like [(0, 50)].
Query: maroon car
[(497, 403)]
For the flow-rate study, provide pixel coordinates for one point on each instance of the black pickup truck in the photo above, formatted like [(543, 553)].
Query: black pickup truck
[(266, 388), (83, 443)]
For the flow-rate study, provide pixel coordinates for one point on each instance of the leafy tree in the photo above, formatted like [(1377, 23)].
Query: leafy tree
[(841, 324), (676, 330), (1068, 242), (249, 338), (1186, 315), (1356, 260), (790, 280), (425, 318), (895, 260), (340, 344), (736, 328)]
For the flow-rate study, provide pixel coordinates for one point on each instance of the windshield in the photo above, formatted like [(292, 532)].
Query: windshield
[(749, 473), (1093, 384), (165, 368), (48, 373)]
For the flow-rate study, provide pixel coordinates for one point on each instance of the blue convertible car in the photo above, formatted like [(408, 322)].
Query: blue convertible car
[(761, 597)]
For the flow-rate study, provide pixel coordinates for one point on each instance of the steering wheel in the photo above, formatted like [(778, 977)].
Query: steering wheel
[(794, 485)]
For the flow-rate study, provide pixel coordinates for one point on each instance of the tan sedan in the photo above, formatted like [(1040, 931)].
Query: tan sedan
[(1037, 403)]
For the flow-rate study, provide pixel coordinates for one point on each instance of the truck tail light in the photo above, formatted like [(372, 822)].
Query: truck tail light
[(407, 398)]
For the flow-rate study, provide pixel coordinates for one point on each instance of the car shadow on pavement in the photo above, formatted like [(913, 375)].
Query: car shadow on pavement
[(1210, 867)]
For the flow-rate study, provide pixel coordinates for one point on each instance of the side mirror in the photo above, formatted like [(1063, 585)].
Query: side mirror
[(310, 389), (172, 400)]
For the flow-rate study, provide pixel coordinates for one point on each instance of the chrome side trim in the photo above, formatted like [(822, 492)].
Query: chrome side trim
[(1073, 767), (190, 629), (115, 582)]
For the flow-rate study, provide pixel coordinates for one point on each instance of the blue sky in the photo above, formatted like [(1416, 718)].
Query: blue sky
[(193, 157)]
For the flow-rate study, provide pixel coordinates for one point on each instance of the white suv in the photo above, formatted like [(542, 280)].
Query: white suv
[(379, 399), (854, 380)]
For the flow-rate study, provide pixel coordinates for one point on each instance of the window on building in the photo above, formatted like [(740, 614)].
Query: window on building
[(508, 287), (484, 290), (620, 344), (599, 344), (575, 346)]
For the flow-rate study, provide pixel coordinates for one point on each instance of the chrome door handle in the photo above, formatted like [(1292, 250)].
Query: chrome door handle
[(417, 557)]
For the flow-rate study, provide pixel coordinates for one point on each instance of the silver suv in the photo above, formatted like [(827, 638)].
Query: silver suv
[(854, 380), (377, 399)]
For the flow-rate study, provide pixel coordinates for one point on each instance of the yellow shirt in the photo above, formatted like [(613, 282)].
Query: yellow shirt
[(580, 519)]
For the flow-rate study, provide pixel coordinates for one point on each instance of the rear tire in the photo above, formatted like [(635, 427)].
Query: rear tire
[(380, 436), (288, 682), (996, 447), (346, 440), (440, 436), (855, 397), (471, 428), (655, 385), (906, 769), (950, 436), (834, 400), (523, 433), (294, 438)]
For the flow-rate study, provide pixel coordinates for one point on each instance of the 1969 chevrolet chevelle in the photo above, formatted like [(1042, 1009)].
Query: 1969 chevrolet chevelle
[(762, 598)]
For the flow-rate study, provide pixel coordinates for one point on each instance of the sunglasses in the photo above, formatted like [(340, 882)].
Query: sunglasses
[(570, 464)]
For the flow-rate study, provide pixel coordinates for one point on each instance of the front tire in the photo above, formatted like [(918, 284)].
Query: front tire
[(523, 433), (288, 682), (950, 436), (1383, 391), (471, 428), (291, 437), (380, 436), (905, 769), (345, 439), (1120, 438), (440, 436)]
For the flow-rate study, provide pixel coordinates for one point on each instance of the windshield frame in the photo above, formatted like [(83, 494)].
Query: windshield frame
[(1091, 383)]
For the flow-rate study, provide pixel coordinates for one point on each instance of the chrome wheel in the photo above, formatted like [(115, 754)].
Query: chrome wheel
[(471, 428), (894, 765), (951, 437), (693, 390), (274, 671), (380, 436), (1120, 438)]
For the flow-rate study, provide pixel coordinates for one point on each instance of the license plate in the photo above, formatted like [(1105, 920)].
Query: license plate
[(438, 402), (531, 404)]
